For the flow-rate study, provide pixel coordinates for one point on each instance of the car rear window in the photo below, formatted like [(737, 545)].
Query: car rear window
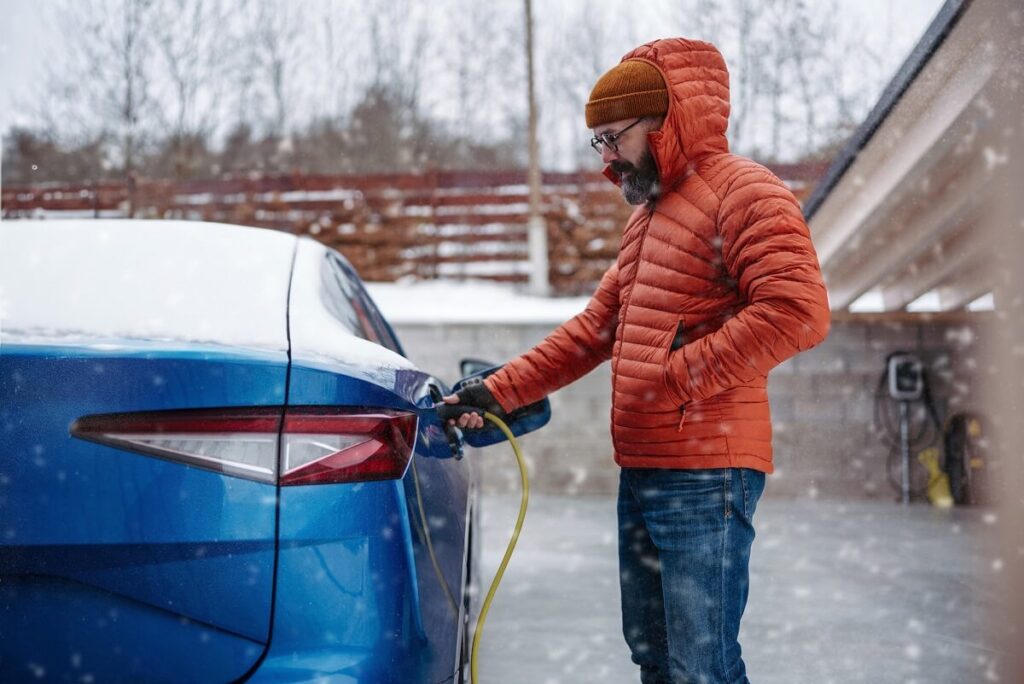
[(342, 300)]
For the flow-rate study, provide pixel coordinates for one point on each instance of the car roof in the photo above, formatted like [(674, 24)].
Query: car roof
[(110, 279)]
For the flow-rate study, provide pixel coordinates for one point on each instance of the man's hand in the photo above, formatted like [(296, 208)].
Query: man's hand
[(466, 420), (478, 396)]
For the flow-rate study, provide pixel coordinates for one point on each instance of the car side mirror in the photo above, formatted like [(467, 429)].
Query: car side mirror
[(521, 421)]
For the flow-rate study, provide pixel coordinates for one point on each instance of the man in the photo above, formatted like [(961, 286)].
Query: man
[(716, 283)]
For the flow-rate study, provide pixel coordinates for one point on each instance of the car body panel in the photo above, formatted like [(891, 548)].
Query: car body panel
[(93, 635), (130, 567), (358, 596), (114, 563), (164, 542)]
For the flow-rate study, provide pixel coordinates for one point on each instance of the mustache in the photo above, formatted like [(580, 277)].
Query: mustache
[(621, 167)]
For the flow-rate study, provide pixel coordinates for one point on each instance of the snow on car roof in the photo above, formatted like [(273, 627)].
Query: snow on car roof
[(182, 281), (318, 337)]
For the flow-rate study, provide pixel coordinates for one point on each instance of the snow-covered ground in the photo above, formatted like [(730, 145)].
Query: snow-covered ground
[(840, 592), (469, 302)]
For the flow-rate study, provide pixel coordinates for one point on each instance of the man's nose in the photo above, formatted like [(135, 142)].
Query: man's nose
[(608, 154)]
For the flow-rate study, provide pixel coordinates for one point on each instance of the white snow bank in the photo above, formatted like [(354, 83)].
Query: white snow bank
[(469, 302)]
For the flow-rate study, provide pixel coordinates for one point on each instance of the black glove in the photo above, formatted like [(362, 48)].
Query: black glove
[(475, 393)]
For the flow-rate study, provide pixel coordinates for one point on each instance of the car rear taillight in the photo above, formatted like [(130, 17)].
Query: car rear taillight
[(321, 445), (240, 442)]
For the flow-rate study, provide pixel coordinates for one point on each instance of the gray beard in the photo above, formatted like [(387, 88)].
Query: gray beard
[(638, 188), (641, 185)]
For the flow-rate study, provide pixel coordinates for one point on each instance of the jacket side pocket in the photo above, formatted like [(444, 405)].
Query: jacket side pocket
[(678, 339)]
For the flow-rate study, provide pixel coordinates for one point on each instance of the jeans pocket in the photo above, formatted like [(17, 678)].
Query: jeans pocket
[(682, 508), (753, 486)]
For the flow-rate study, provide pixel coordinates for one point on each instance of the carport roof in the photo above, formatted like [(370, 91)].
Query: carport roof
[(922, 52), (901, 214)]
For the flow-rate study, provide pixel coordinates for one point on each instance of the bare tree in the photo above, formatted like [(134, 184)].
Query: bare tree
[(193, 49), (398, 43), (803, 38), (400, 84), (32, 156), (105, 84), (570, 64), (482, 36), (272, 57), (743, 86), (787, 99), (338, 33), (775, 81)]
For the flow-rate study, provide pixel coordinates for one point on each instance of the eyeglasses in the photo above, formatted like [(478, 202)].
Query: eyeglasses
[(611, 139)]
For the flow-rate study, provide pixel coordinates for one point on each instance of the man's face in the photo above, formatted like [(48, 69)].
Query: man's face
[(631, 158)]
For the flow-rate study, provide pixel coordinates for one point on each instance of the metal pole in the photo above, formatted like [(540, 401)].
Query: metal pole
[(905, 452), (537, 228)]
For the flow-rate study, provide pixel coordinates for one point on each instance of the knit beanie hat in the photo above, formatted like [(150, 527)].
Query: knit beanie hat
[(632, 88)]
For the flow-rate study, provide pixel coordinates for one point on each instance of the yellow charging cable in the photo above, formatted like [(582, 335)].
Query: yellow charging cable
[(511, 542), (424, 529)]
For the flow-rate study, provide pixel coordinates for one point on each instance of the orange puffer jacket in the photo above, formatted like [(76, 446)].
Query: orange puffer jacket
[(715, 285)]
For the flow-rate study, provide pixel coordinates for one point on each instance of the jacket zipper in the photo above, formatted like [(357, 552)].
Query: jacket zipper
[(682, 417), (625, 307)]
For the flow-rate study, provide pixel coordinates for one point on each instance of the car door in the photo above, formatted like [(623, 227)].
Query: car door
[(370, 569)]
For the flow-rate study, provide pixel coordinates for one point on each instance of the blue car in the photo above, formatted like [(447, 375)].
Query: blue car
[(217, 464)]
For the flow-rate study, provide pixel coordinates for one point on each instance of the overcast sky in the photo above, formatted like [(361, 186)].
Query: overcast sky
[(26, 41)]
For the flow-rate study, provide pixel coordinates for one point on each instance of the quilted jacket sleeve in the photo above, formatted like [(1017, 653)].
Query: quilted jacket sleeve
[(767, 251), (574, 349)]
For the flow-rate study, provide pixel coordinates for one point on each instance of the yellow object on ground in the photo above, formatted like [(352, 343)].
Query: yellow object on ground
[(939, 492)]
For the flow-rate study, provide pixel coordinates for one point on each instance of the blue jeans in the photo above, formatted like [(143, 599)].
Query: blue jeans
[(684, 550)]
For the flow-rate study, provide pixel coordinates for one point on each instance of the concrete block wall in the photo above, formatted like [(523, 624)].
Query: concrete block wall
[(822, 404)]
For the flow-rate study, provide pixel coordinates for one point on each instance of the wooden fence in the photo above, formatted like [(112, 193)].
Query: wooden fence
[(420, 226)]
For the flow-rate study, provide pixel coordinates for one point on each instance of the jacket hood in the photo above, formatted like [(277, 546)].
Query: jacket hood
[(698, 105)]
